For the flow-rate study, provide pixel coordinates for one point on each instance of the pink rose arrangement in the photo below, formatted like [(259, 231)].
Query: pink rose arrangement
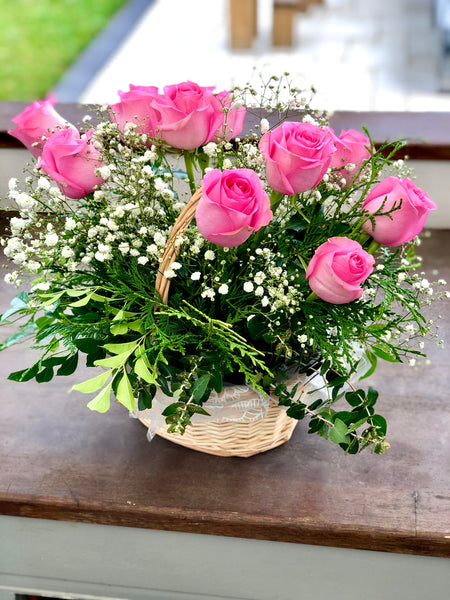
[(297, 156), (36, 123), (185, 116), (233, 205), (398, 211), (72, 161), (337, 270), (352, 148), (193, 253)]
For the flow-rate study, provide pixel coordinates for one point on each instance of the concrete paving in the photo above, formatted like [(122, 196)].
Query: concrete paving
[(359, 54)]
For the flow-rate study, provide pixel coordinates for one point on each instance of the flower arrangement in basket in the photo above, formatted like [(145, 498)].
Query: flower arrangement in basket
[(223, 285)]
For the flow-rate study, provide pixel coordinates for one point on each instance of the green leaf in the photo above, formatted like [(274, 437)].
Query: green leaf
[(45, 375), (69, 366), (144, 400), (380, 423), (199, 387), (386, 353), (25, 374), (74, 293), (19, 336), (124, 393), (373, 364), (297, 411), (101, 402), (93, 384), (339, 433), (122, 315), (217, 381), (99, 298), (172, 409), (372, 397), (141, 369), (81, 302), (19, 302), (120, 348), (113, 361), (87, 345), (51, 298), (355, 398), (119, 329), (137, 326), (195, 408)]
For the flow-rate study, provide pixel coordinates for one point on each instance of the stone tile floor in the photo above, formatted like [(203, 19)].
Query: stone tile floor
[(359, 54)]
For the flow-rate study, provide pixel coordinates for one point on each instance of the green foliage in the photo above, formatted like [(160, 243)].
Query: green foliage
[(40, 40)]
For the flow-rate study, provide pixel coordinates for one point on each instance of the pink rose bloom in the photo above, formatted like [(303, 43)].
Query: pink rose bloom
[(233, 205), (234, 118), (135, 107), (38, 120), (338, 268), (351, 148), (71, 161), (407, 220), (188, 115), (297, 156)]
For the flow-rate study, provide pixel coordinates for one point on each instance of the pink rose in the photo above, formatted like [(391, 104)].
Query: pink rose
[(411, 204), (38, 120), (233, 118), (337, 269), (71, 161), (233, 205), (351, 148), (135, 107), (297, 156), (188, 115)]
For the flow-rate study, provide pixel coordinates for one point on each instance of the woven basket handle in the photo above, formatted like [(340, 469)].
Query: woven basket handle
[(171, 249)]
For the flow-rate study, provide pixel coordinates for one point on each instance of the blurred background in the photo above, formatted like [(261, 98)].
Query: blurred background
[(361, 55)]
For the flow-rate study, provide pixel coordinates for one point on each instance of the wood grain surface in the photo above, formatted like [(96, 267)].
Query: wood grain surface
[(58, 460)]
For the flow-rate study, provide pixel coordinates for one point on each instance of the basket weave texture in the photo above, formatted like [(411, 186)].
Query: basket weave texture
[(221, 438)]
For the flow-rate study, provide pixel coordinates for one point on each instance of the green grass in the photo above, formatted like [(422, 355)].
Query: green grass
[(40, 39)]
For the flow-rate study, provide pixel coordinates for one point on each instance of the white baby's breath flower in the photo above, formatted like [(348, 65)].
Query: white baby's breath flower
[(12, 183), (33, 266), (25, 201), (169, 274), (51, 239), (104, 172), (248, 286), (43, 183), (70, 224), (264, 126), (175, 266), (223, 289), (196, 276), (210, 255), (160, 240), (210, 149), (67, 252), (43, 286), (142, 260)]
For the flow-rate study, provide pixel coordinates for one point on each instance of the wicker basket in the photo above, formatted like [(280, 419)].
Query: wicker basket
[(221, 438)]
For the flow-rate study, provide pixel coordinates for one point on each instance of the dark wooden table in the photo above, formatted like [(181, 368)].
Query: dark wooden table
[(59, 462)]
